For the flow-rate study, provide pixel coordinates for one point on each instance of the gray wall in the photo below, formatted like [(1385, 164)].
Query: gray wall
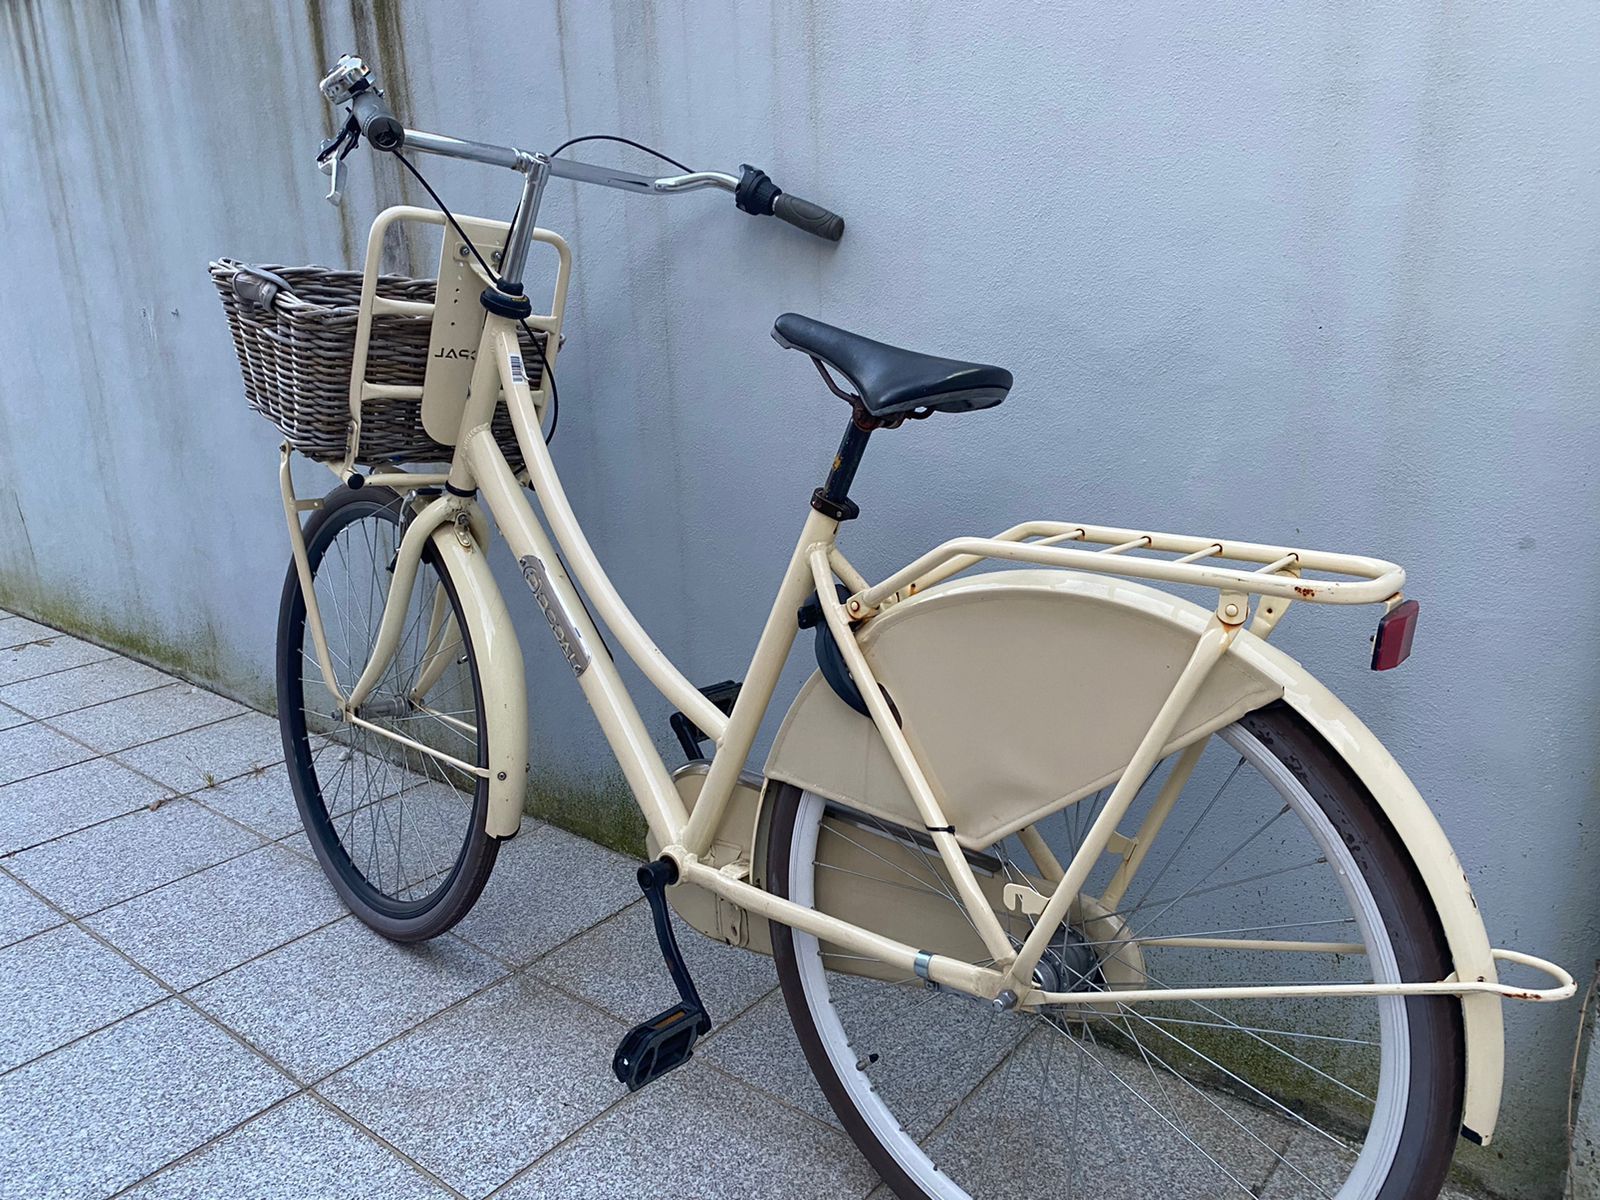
[(1287, 271)]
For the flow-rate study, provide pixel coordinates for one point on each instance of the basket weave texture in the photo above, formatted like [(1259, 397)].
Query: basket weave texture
[(296, 360)]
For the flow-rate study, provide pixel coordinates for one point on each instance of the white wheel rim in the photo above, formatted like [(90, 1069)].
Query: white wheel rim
[(1388, 1117)]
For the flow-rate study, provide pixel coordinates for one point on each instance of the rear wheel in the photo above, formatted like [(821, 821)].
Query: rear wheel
[(1272, 842), (398, 827)]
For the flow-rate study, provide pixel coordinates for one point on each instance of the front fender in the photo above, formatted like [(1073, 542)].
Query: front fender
[(500, 674), (1022, 691)]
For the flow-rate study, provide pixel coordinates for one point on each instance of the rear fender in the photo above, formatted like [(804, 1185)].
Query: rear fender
[(1023, 691)]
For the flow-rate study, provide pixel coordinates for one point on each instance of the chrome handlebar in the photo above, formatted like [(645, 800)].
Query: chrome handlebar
[(350, 82), (513, 159)]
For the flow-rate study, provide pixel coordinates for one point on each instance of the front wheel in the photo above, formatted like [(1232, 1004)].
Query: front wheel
[(396, 820), (1274, 865)]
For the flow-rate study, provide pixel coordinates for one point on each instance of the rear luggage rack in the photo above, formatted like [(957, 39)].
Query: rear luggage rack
[(1366, 580), (1278, 573)]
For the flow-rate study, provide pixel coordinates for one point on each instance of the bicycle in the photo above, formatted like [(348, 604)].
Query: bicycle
[(1072, 885)]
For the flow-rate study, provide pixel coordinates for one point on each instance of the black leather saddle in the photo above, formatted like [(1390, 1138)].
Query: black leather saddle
[(892, 382)]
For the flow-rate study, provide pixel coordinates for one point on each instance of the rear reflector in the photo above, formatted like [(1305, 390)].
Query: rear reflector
[(1392, 644)]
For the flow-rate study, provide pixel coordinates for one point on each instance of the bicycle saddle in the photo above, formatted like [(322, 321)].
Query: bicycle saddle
[(891, 381)]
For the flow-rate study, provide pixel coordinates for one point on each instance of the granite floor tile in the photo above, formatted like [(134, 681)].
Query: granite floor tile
[(547, 885), (49, 653), (27, 750), (300, 1150), (22, 914), (119, 858), (482, 1090), (1313, 1169), (146, 716), (47, 806), (319, 1002), (106, 1111), (210, 922), (80, 687), (617, 965), (262, 800), (1133, 1128), (298, 843), (713, 1137), (60, 985), (16, 631), (10, 718), (760, 1048), (212, 754)]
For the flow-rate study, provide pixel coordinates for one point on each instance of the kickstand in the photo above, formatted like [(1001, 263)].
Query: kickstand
[(666, 1040)]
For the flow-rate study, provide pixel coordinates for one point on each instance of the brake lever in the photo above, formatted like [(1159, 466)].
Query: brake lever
[(331, 155), (333, 168)]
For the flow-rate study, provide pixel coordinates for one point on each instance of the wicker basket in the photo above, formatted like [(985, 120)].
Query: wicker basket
[(296, 358)]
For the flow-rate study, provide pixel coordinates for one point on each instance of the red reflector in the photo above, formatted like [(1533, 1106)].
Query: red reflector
[(1392, 645)]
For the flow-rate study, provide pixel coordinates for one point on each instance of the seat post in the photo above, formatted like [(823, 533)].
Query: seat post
[(833, 498)]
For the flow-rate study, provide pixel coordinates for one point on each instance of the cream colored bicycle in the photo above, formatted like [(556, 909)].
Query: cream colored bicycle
[(1074, 887)]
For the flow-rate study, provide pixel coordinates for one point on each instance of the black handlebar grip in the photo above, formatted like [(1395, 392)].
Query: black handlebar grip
[(379, 125), (812, 218)]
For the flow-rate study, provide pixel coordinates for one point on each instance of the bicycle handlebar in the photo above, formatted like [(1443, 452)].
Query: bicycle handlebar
[(377, 121), (813, 218), (350, 82), (758, 195)]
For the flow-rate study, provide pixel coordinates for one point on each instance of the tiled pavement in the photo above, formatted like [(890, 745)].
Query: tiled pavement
[(186, 1009)]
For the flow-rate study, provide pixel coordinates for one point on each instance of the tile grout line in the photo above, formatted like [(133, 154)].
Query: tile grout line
[(810, 1117), (98, 754), (169, 681), (615, 1106), (526, 971), (301, 1090), (458, 1002), (510, 971), (58, 671), (206, 1145), (173, 993), (584, 1002), (363, 1127), (66, 733), (171, 795), (110, 654), (104, 908)]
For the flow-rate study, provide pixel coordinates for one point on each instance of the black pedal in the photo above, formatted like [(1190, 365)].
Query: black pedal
[(660, 1044), (690, 736), (666, 1040)]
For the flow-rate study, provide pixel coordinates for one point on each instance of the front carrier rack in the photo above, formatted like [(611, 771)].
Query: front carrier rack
[(362, 368)]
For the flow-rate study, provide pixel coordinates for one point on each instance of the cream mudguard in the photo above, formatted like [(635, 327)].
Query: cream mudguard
[(1056, 675)]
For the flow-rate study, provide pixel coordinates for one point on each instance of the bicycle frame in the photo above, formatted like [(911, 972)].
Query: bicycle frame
[(684, 827), (479, 466)]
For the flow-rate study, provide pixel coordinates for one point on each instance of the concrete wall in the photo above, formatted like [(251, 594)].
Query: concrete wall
[(1290, 271)]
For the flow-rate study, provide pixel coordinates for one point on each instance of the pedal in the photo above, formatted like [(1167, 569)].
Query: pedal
[(663, 1042), (666, 1040), (690, 736)]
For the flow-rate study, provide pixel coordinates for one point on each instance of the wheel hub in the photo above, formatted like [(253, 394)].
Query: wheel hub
[(1069, 964)]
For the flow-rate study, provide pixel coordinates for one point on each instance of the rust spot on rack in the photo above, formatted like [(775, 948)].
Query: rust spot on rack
[(1308, 593)]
